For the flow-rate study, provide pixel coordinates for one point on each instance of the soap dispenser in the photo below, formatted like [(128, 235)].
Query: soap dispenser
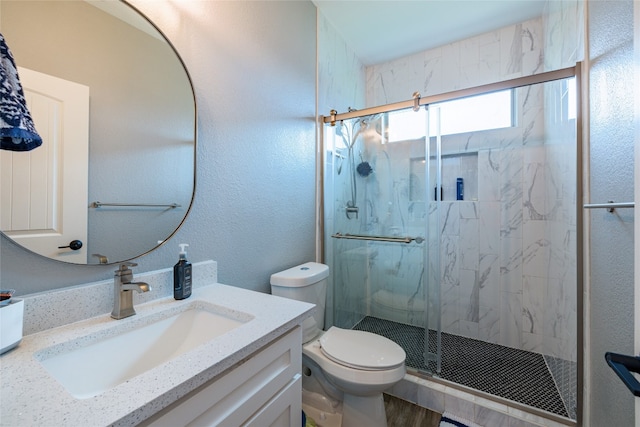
[(182, 275)]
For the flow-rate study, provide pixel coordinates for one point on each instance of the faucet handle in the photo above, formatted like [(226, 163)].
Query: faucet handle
[(124, 266)]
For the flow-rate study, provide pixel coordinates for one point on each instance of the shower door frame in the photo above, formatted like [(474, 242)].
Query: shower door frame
[(576, 72)]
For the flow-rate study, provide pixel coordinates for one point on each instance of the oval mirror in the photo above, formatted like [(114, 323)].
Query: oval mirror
[(115, 108)]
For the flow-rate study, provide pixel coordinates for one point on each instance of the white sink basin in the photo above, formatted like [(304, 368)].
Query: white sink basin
[(95, 363)]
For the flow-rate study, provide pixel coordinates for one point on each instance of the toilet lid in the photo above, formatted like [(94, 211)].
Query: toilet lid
[(361, 350)]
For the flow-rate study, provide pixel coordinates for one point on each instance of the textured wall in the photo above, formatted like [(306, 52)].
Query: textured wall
[(611, 178), (255, 87)]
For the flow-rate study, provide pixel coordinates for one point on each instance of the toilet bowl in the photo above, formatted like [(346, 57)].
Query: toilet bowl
[(356, 366), (357, 362)]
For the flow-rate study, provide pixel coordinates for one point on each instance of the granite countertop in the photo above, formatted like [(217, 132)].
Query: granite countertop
[(30, 396)]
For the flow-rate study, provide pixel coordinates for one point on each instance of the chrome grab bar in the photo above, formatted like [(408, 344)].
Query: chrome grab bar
[(143, 205), (611, 206), (378, 238)]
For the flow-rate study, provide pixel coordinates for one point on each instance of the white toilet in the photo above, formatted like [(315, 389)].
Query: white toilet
[(358, 365)]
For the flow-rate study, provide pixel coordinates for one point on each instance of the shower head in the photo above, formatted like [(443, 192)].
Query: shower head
[(364, 169)]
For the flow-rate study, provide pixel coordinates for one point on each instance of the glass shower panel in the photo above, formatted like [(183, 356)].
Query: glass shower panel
[(508, 253), (462, 247), (435, 194), (380, 189)]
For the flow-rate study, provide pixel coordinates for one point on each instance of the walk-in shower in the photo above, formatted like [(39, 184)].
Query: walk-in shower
[(462, 244)]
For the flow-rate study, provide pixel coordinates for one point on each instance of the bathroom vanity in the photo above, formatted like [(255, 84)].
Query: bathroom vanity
[(98, 372), (265, 390)]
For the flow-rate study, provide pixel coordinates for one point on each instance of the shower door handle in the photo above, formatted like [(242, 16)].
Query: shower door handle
[(623, 365)]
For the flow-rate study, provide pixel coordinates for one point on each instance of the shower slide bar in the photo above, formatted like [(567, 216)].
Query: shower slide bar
[(378, 238), (142, 205), (610, 206)]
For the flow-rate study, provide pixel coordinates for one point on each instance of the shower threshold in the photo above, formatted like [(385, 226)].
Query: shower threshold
[(517, 375)]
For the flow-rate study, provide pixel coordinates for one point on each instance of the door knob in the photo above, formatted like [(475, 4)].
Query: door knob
[(74, 245)]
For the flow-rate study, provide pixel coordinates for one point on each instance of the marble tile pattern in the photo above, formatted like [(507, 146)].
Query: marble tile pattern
[(341, 86), (564, 33), (343, 75), (507, 259), (502, 54)]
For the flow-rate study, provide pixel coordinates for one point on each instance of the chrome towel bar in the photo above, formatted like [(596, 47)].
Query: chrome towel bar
[(143, 205), (611, 206), (378, 238)]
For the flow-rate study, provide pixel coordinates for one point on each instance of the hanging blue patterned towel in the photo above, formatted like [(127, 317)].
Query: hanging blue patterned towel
[(17, 131)]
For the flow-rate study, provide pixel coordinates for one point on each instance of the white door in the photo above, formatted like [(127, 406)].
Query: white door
[(44, 191)]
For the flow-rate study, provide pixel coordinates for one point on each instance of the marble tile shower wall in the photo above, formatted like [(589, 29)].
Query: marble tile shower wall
[(506, 261), (503, 54), (377, 278), (341, 85)]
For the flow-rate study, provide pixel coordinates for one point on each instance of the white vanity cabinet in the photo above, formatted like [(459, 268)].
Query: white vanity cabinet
[(247, 376), (264, 389)]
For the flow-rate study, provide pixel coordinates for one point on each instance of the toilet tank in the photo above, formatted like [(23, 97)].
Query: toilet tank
[(308, 283)]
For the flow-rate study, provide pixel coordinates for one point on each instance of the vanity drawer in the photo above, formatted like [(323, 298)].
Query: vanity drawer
[(244, 394), (284, 410)]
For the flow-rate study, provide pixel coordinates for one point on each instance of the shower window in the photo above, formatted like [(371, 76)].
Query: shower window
[(405, 125), (476, 113), (569, 99)]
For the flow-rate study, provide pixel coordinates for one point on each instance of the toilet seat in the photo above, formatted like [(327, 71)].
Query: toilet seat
[(361, 350), (358, 381)]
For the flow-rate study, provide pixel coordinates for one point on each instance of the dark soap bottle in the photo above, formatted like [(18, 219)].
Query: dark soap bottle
[(182, 275), (459, 189)]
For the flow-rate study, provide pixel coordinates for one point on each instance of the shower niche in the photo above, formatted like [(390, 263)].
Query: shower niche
[(455, 167)]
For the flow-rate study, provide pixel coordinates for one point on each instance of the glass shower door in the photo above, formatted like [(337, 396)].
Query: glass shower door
[(464, 246), (379, 248), (434, 195)]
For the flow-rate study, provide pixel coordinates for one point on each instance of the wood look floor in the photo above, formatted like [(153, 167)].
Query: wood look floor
[(401, 413)]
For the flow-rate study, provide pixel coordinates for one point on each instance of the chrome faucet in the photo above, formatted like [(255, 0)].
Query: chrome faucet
[(123, 295)]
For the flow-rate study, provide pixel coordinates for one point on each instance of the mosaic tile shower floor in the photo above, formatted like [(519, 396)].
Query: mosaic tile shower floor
[(517, 375)]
